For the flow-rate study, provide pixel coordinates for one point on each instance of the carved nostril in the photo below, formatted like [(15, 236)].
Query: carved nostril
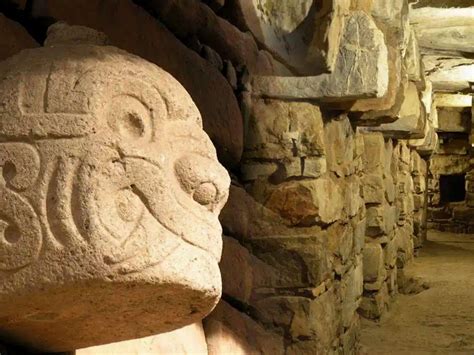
[(205, 194)]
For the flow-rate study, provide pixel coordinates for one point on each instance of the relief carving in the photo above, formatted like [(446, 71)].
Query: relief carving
[(110, 194)]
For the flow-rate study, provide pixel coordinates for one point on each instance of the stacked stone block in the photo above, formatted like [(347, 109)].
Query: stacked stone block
[(310, 190), (306, 224), (394, 178)]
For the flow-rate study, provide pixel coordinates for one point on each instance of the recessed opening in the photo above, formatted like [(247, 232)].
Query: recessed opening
[(452, 188)]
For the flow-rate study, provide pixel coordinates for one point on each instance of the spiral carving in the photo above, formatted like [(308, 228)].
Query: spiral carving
[(20, 230)]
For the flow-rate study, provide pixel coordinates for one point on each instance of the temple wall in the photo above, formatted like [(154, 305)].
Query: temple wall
[(328, 163)]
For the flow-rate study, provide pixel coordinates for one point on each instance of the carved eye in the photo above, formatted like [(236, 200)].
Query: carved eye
[(130, 118)]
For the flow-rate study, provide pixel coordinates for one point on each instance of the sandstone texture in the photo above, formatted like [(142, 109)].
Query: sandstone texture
[(345, 127), (111, 193), (361, 69), (210, 91)]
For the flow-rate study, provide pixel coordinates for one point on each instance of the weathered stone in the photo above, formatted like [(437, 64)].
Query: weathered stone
[(374, 306), (359, 234), (132, 225), (303, 317), (279, 129), (353, 199), (380, 220), (452, 100), (305, 37), (449, 164), (242, 272), (229, 331), (413, 61), (394, 15), (307, 202), (187, 18), (149, 39), (14, 38), (373, 189), (389, 188), (339, 133), (376, 106), (374, 155), (453, 119), (444, 30), (351, 292), (373, 262), (245, 218), (411, 118), (449, 73), (390, 253), (253, 170), (361, 69), (300, 261), (187, 341)]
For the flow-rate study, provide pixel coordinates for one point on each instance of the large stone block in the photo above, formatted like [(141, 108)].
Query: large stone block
[(361, 69), (339, 136), (305, 318), (300, 261), (374, 155), (100, 218), (375, 305), (394, 15), (351, 292), (410, 119), (242, 272), (373, 189), (187, 341), (373, 262), (192, 18), (413, 62), (279, 130), (14, 38), (305, 203), (229, 331), (373, 110), (304, 36), (454, 119), (149, 39), (380, 220)]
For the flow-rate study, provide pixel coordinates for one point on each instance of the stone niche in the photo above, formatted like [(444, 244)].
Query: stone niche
[(110, 197)]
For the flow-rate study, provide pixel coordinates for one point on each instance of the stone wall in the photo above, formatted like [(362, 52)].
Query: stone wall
[(327, 202), (454, 157)]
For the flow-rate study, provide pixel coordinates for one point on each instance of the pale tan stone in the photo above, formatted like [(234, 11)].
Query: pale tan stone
[(189, 340), (131, 28), (361, 69), (110, 199), (279, 129), (229, 331), (411, 117)]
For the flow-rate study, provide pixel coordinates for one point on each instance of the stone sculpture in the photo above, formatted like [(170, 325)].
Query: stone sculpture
[(110, 193)]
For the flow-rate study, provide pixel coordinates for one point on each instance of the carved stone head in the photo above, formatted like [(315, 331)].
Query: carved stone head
[(109, 197)]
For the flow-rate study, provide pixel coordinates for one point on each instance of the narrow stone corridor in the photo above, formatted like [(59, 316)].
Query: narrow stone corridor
[(437, 320)]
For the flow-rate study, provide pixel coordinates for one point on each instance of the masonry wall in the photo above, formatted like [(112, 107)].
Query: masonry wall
[(327, 202), (451, 216)]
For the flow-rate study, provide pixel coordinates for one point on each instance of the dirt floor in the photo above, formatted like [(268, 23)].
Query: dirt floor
[(439, 320)]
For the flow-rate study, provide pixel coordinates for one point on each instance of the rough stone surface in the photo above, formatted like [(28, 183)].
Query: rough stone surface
[(361, 69), (151, 40), (111, 192), (228, 331), (188, 340)]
